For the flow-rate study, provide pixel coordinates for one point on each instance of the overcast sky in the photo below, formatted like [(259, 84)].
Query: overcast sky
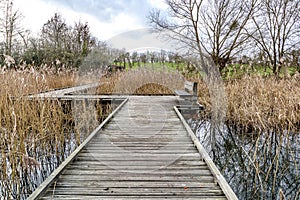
[(106, 18)]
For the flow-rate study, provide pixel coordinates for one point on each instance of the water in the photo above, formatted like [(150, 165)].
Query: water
[(256, 166), (44, 158)]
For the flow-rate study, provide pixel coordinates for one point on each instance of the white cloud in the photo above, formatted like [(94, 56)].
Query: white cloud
[(159, 4), (37, 12)]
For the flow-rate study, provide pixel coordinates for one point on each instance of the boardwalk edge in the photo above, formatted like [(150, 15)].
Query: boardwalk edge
[(216, 173), (54, 175)]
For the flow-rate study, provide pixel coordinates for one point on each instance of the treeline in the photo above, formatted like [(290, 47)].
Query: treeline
[(142, 58), (57, 45), (228, 29)]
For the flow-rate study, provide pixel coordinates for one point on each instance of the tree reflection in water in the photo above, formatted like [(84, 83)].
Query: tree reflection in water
[(257, 166)]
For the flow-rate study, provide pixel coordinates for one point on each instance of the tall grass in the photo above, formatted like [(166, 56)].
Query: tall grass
[(259, 104), (37, 135), (142, 81), (258, 148)]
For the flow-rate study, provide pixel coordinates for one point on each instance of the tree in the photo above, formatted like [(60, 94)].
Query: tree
[(277, 29), (66, 45), (216, 27), (83, 39), (224, 28), (134, 57), (55, 31), (162, 56), (82, 42), (10, 25)]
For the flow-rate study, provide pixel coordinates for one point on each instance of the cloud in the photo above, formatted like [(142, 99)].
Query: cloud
[(106, 18), (159, 4), (142, 40)]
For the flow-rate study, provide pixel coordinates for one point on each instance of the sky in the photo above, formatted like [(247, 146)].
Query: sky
[(106, 18)]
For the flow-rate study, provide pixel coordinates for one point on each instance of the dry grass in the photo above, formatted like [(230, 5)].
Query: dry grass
[(264, 104), (20, 83), (259, 104), (143, 81), (254, 103), (34, 134)]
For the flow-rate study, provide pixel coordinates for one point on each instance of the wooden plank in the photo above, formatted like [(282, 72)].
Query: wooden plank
[(53, 176), (137, 178), (140, 172), (62, 92), (123, 191), (134, 184), (137, 191), (71, 197), (217, 174), (142, 163), (150, 160), (182, 93), (154, 150)]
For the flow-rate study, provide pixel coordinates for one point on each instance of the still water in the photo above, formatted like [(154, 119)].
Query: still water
[(257, 166), (44, 158)]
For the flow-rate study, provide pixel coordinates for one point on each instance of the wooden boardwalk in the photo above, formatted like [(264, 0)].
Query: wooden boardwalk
[(142, 151)]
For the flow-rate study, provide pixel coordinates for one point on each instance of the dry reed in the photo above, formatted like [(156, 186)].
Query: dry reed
[(259, 147), (33, 134), (141, 81), (259, 104)]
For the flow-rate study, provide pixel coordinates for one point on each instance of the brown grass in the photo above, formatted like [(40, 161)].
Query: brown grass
[(254, 103), (20, 83), (30, 131), (259, 104), (143, 81)]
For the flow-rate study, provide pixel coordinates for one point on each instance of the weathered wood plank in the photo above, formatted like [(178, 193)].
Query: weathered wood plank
[(40, 190), (219, 177), (129, 173), (138, 178), (138, 191), (128, 197), (145, 152), (134, 184)]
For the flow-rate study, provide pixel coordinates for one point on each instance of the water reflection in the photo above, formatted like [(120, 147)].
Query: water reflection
[(22, 173), (257, 166)]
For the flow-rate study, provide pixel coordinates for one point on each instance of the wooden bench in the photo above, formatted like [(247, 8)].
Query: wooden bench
[(189, 92)]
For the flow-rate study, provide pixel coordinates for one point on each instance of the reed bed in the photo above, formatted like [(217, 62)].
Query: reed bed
[(20, 83), (254, 103), (141, 81), (259, 104), (257, 145), (37, 135)]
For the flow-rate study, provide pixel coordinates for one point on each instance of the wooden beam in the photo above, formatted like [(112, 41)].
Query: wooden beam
[(217, 174), (54, 175)]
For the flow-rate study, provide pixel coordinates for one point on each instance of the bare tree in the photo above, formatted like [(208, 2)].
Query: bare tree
[(55, 31), (277, 29), (82, 38), (10, 25), (217, 27), (223, 28)]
